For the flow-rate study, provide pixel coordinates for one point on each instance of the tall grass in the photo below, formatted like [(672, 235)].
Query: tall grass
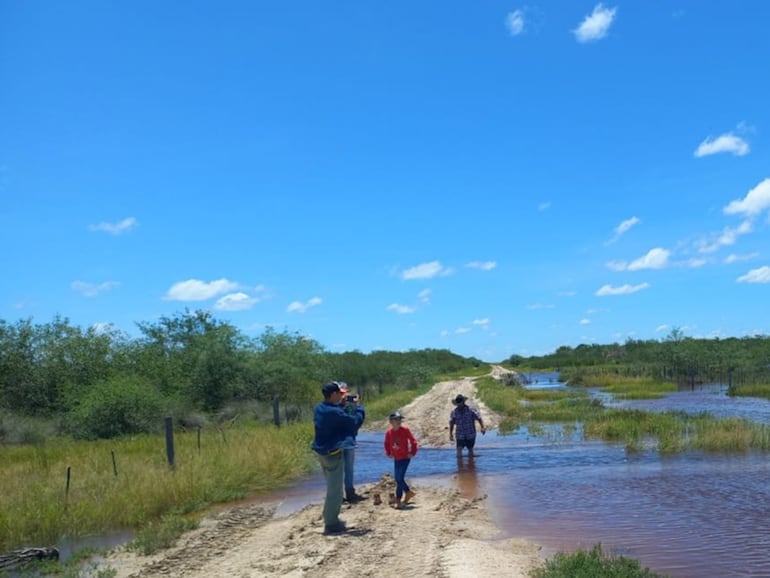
[(36, 509), (758, 390)]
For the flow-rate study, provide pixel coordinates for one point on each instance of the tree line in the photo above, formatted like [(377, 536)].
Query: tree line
[(95, 383), (678, 358)]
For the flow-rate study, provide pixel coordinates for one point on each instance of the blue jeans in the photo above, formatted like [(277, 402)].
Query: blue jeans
[(332, 469), (349, 457), (399, 473)]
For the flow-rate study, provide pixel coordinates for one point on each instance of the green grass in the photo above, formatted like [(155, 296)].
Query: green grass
[(36, 509), (760, 390), (594, 563)]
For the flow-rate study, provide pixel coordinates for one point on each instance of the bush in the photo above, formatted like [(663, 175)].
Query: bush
[(117, 407), (593, 564)]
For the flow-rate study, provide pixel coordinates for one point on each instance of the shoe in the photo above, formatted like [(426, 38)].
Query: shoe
[(391, 499), (354, 498), (397, 505), (338, 528), (408, 496)]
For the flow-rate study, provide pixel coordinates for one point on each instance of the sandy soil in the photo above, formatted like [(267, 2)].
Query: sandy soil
[(440, 534)]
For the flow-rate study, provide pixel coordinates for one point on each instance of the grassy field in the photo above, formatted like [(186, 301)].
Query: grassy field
[(37, 507)]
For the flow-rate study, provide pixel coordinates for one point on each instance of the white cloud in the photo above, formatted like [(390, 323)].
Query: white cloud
[(728, 236), (755, 202), (536, 306), (483, 265), (726, 143), (544, 206), (461, 330), (115, 228), (426, 271), (299, 307), (514, 22), (663, 327), (585, 322), (482, 322), (595, 25), (444, 333), (424, 296), (196, 290), (735, 258), (761, 275), (92, 289), (623, 228), (400, 309), (620, 290), (656, 258), (235, 302), (695, 262)]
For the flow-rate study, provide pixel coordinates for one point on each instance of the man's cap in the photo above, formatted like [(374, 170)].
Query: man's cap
[(396, 415), (330, 388), (459, 399)]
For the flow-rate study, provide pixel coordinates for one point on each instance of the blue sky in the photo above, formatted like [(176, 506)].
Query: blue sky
[(490, 177)]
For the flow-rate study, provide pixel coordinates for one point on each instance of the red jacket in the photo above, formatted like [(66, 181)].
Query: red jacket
[(400, 444)]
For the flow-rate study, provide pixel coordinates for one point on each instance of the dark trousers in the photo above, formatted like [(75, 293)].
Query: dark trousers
[(399, 473)]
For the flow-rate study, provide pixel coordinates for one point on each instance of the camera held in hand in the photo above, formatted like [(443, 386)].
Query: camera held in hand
[(351, 398)]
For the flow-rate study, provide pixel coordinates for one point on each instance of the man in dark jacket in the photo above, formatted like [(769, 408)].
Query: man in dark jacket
[(335, 430)]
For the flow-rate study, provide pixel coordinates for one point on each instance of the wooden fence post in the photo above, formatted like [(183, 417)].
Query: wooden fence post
[(170, 441), (276, 411), (114, 464), (67, 487)]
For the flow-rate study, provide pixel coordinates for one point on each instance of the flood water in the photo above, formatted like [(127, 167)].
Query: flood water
[(691, 515)]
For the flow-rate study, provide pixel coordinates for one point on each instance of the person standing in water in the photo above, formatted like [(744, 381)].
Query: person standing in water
[(463, 418)]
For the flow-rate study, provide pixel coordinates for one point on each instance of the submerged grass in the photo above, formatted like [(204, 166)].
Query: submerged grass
[(37, 509), (667, 432)]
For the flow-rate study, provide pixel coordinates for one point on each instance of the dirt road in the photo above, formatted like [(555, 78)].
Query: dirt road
[(441, 534)]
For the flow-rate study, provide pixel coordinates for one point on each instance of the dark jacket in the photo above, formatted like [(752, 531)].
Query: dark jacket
[(335, 429)]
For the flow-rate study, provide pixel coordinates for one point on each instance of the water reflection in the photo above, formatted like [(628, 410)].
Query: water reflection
[(467, 478)]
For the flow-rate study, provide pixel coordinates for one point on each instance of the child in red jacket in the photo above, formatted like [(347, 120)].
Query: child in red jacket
[(400, 445)]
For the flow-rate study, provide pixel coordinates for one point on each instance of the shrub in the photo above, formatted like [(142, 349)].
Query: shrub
[(117, 407)]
